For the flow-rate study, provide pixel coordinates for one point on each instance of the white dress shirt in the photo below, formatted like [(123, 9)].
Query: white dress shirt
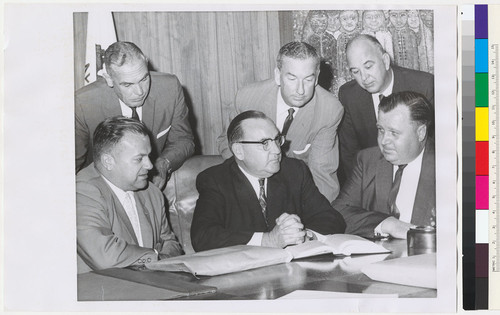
[(128, 202), (256, 239), (408, 187), (127, 111), (282, 111), (386, 92)]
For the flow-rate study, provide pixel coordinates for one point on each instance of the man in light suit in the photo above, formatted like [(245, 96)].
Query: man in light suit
[(311, 134), (129, 89), (374, 77), (257, 197), (393, 186), (121, 220)]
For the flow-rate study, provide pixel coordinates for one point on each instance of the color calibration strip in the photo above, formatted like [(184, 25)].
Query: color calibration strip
[(482, 153), (494, 149)]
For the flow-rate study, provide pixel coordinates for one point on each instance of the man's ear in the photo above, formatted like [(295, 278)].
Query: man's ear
[(316, 76), (387, 61), (277, 76), (422, 132), (107, 161), (107, 77), (238, 151)]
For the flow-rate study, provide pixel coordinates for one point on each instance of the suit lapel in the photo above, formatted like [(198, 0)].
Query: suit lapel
[(383, 184), (299, 129), (425, 198), (248, 200), (148, 114), (276, 199), (145, 212), (120, 211)]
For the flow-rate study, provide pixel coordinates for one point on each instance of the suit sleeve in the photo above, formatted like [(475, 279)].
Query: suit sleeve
[(97, 245), (324, 158), (349, 144), (82, 136), (359, 221), (317, 213), (208, 229), (180, 141), (168, 245)]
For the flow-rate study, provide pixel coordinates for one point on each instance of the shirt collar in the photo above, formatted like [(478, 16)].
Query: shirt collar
[(118, 191), (127, 111)]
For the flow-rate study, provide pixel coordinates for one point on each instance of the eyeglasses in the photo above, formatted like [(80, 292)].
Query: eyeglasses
[(266, 143)]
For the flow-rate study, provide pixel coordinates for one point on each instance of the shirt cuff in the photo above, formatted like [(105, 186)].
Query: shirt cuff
[(256, 239), (377, 232)]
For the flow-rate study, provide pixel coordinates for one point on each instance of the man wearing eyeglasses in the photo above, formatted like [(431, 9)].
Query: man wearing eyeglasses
[(303, 111), (258, 197)]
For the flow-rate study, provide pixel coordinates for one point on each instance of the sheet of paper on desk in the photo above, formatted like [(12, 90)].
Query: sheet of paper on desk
[(338, 244), (312, 294), (418, 270), (223, 260)]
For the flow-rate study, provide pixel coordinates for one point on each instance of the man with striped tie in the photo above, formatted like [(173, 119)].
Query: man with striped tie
[(393, 185), (259, 197)]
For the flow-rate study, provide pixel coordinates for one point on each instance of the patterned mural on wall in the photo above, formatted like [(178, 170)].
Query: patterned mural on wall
[(406, 35)]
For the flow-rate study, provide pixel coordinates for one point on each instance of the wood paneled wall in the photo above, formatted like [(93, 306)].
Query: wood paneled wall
[(212, 53)]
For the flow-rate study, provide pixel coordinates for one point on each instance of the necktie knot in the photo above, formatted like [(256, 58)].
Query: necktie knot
[(381, 97), (135, 115), (261, 182)]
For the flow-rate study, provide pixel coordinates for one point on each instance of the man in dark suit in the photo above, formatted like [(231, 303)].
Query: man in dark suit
[(127, 88), (393, 186), (374, 77), (256, 197), (121, 220), (315, 113)]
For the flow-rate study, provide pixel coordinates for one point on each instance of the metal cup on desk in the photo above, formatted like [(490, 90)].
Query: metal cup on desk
[(421, 240)]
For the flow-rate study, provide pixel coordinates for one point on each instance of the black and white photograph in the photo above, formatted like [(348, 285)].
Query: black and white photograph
[(241, 158)]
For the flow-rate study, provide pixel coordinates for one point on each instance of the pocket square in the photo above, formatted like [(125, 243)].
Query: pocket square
[(164, 132), (304, 150)]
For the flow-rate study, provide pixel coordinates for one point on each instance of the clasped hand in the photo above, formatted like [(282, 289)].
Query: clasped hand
[(289, 230)]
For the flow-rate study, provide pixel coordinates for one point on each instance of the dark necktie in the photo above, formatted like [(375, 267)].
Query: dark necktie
[(262, 198), (288, 121), (134, 114), (391, 201), (381, 97)]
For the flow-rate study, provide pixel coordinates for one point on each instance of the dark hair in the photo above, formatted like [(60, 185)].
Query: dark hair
[(110, 131), (235, 131), (369, 38), (421, 110), (120, 53), (297, 50)]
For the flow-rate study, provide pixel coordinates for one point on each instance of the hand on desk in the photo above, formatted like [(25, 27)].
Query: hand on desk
[(395, 227), (288, 231)]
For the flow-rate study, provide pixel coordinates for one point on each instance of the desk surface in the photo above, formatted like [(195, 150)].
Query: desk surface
[(323, 273)]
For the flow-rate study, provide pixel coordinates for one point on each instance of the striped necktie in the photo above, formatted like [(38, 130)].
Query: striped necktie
[(263, 199)]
